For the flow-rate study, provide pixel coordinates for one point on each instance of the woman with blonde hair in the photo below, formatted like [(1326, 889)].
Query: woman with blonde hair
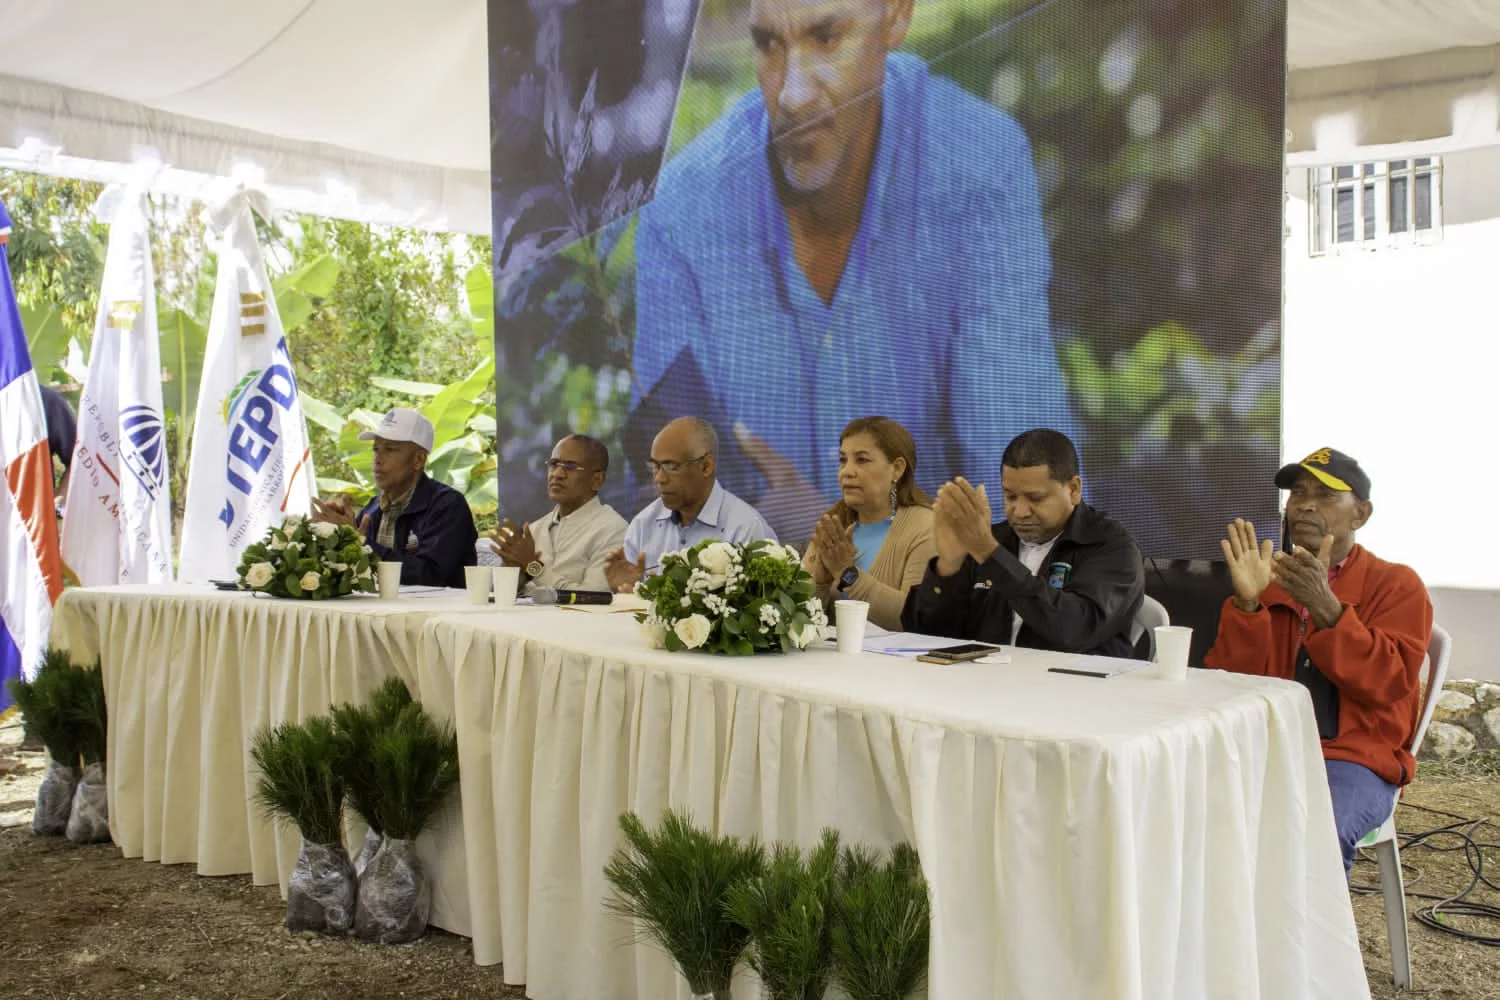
[(875, 543)]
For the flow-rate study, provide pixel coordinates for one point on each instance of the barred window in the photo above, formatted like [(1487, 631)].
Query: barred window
[(1365, 206)]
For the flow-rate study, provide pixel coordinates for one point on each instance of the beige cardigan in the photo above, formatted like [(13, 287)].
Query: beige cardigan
[(899, 566)]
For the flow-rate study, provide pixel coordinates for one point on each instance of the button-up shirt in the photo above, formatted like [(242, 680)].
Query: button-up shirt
[(657, 530), (572, 547)]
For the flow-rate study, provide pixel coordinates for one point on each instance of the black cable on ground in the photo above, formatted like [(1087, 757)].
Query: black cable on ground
[(1456, 836)]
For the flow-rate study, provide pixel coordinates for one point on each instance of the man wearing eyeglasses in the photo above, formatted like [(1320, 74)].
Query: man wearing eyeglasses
[(691, 505), (567, 546)]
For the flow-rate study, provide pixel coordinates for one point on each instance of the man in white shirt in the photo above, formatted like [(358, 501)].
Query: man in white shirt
[(565, 548)]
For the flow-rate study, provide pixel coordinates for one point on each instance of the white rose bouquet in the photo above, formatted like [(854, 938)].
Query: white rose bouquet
[(736, 599), (306, 560)]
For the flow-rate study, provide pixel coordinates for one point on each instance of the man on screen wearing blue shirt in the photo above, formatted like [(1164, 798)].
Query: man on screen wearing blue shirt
[(857, 229)]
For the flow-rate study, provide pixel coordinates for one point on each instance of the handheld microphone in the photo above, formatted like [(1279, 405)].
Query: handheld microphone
[(564, 595), (1287, 545)]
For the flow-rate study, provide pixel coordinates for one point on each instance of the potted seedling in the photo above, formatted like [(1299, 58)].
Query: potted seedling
[(673, 883), (301, 780)]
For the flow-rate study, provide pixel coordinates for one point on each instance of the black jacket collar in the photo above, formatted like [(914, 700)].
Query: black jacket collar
[(1085, 526)]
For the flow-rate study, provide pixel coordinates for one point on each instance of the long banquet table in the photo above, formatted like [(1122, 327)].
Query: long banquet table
[(1122, 838), (1097, 839)]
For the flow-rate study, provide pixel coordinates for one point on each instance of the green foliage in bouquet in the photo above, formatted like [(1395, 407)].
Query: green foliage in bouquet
[(358, 726), (413, 766), (883, 919), (789, 912), (304, 559), (673, 883), (738, 599), (301, 776), (49, 708)]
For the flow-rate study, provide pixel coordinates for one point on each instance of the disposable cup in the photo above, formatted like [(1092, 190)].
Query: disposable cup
[(849, 617), (1172, 644), (390, 580), (477, 582), (507, 579)]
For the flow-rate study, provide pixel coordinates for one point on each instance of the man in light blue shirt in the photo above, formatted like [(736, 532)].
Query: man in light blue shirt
[(856, 236), (691, 505)]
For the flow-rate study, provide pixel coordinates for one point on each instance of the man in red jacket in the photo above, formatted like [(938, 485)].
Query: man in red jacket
[(1349, 626)]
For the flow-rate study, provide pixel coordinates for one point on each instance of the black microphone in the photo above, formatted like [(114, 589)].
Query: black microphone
[(564, 595), (1287, 545)]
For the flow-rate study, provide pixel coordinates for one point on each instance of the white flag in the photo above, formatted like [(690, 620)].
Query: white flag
[(118, 522), (251, 464)]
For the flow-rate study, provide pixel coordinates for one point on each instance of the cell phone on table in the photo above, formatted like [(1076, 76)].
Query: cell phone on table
[(955, 654)]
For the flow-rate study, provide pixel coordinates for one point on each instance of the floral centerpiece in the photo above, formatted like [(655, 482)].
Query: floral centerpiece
[(306, 559), (732, 598)]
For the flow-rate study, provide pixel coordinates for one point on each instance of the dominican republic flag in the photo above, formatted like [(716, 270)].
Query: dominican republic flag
[(251, 462), (117, 525), (31, 578)]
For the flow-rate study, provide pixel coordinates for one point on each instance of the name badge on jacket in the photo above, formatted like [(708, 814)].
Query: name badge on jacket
[(1057, 575)]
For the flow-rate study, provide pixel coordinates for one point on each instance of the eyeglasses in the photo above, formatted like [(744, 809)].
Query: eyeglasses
[(671, 468), (557, 464)]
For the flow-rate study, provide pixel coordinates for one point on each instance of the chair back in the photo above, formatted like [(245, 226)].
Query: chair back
[(1150, 614), (1439, 648)]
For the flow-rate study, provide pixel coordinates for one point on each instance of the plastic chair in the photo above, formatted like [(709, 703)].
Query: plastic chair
[(1150, 614), (1383, 839)]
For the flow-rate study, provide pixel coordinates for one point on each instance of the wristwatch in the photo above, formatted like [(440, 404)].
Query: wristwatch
[(847, 578), (534, 568)]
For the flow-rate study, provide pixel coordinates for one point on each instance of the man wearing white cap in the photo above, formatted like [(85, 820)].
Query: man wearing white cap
[(414, 520)]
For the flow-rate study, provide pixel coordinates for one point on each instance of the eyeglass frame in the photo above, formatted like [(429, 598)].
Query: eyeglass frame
[(672, 467), (551, 464)]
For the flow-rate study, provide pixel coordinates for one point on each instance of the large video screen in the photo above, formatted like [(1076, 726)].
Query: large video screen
[(972, 216)]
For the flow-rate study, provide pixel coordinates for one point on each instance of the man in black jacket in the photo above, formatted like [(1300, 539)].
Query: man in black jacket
[(415, 520), (1056, 574)]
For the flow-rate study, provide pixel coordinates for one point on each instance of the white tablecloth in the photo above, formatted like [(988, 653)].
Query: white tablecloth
[(1092, 839), (191, 672)]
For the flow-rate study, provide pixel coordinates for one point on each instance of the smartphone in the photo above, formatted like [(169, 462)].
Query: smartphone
[(954, 654)]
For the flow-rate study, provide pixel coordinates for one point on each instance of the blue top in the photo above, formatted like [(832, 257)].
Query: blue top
[(868, 538), (940, 319), (657, 530)]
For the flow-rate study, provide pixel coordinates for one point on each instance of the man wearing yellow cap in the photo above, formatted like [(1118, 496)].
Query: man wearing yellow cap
[(1350, 627)]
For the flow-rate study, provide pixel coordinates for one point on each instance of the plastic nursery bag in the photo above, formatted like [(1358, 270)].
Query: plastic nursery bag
[(54, 800), (372, 844), (395, 895), (320, 894), (88, 823)]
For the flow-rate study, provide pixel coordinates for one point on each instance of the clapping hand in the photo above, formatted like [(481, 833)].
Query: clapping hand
[(516, 548), (338, 510), (834, 544), (1304, 576), (1249, 563), (961, 525), (623, 574)]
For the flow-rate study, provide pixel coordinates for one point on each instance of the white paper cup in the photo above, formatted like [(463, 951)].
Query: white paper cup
[(390, 580), (1172, 644), (507, 579), (477, 581), (849, 617)]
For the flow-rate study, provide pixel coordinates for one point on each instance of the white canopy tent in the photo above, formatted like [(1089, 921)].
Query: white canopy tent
[(378, 109)]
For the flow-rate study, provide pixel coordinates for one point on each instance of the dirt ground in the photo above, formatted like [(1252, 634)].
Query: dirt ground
[(82, 922)]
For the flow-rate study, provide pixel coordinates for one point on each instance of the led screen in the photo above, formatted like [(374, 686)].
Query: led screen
[(972, 216)]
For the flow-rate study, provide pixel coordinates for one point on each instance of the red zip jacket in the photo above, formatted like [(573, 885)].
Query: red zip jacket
[(1373, 656)]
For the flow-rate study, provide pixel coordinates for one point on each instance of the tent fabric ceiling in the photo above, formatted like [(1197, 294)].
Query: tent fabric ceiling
[(403, 87)]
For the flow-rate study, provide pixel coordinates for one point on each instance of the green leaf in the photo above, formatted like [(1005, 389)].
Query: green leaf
[(47, 337), (406, 386), (322, 414), (479, 285), (450, 462), (483, 494), (451, 409), (183, 343), (315, 278)]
